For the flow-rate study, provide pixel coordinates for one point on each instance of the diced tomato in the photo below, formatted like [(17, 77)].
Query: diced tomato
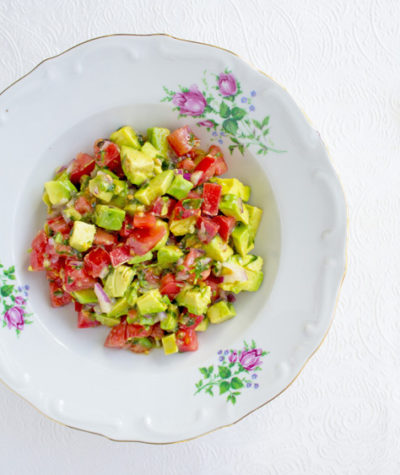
[(103, 238), (58, 225), (78, 306), (141, 241), (58, 297), (107, 155), (120, 254), (117, 336), (55, 249), (169, 286), (213, 282), (96, 262), (83, 205), (186, 339), (182, 212), (127, 226), (84, 320), (220, 165), (207, 166), (151, 277), (187, 164), (226, 225), (191, 257), (75, 276), (190, 320), (183, 140), (136, 331), (207, 229), (37, 255), (157, 332), (82, 165), (145, 220), (137, 347), (163, 206), (211, 198)]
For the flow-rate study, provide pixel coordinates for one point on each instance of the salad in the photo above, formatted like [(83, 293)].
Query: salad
[(144, 237)]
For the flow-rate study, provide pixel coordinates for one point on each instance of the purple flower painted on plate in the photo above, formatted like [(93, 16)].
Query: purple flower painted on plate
[(252, 108), (248, 385), (253, 93), (250, 359), (254, 376), (243, 100), (206, 123), (19, 300), (233, 357), (215, 134), (191, 102), (220, 141), (220, 352), (256, 385), (221, 358), (227, 84), (15, 318)]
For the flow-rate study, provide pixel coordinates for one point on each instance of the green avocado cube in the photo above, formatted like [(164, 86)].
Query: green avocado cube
[(120, 308), (203, 325), (138, 259), (253, 263), (137, 166), (84, 296), (220, 312), (158, 138), (71, 214), (195, 299), (169, 324), (109, 218), (106, 320), (156, 187), (168, 255), (218, 249), (161, 243), (232, 186), (125, 136), (57, 193), (232, 205), (180, 227), (150, 302), (169, 344), (132, 293), (64, 179), (102, 186), (118, 281), (252, 284), (255, 215), (241, 239), (150, 150), (180, 187), (82, 236)]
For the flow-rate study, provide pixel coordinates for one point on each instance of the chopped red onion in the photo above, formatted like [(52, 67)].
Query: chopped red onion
[(104, 300)]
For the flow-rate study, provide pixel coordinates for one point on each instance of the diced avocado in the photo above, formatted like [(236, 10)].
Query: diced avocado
[(137, 166), (192, 240), (57, 192), (146, 342), (150, 302), (157, 186), (138, 259), (220, 312), (202, 327), (253, 282), (109, 218), (150, 150), (180, 227), (158, 138), (195, 299), (118, 281), (232, 205), (169, 324), (84, 296), (218, 249), (132, 293), (158, 166), (232, 186), (255, 215), (180, 187), (241, 239), (72, 214), (82, 236), (168, 254), (253, 263), (64, 179), (107, 320), (102, 186), (120, 308), (133, 207), (125, 136), (161, 243), (46, 201), (169, 344)]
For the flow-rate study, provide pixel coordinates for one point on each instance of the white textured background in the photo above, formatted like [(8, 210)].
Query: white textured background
[(341, 62)]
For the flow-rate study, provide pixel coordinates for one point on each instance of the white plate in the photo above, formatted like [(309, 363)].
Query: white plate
[(59, 109)]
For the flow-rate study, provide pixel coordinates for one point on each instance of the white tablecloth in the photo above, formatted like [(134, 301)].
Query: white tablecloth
[(341, 62)]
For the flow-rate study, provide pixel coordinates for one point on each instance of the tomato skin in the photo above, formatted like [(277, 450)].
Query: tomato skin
[(107, 154), (58, 297), (163, 208), (207, 229), (37, 256), (169, 286), (103, 238), (180, 212), (211, 198), (75, 276), (183, 140), (59, 225), (213, 282), (83, 205), (226, 225), (145, 220), (220, 165), (82, 165), (186, 339), (84, 320), (142, 240), (96, 261), (119, 255), (190, 320), (157, 332), (136, 331), (207, 166), (187, 164), (117, 336)]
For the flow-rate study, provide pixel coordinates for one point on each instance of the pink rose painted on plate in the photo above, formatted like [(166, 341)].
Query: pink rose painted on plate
[(191, 102), (15, 318), (227, 84), (250, 359)]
